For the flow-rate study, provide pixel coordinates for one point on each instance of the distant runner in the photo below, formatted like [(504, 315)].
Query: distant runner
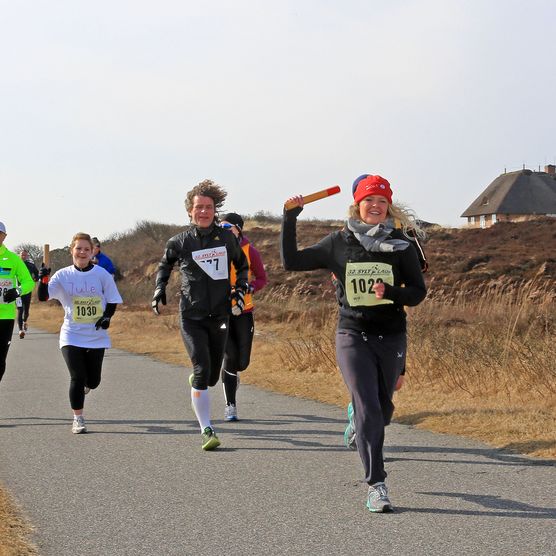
[(204, 253), (15, 281), (101, 259), (242, 324), (377, 273), (89, 297), (24, 303)]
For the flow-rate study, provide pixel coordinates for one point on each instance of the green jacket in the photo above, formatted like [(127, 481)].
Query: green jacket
[(13, 274)]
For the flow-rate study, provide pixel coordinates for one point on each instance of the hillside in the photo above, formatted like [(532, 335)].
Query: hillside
[(461, 260)]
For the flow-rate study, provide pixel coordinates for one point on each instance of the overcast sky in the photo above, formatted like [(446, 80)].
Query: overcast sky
[(111, 111)]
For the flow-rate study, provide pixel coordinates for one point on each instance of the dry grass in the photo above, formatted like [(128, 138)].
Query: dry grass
[(14, 529)]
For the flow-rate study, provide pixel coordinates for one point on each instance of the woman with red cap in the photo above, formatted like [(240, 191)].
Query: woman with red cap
[(377, 273)]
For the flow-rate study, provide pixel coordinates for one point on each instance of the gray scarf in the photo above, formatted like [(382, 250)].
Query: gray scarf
[(375, 238)]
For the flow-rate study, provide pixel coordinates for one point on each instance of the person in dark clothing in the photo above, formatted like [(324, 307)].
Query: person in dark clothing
[(377, 274), (24, 302), (204, 252), (242, 323)]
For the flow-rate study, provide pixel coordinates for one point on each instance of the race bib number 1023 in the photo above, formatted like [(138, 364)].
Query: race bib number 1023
[(360, 279)]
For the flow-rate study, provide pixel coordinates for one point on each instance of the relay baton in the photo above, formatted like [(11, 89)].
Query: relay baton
[(315, 196)]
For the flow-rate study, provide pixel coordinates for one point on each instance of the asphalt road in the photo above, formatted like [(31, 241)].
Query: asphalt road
[(282, 483)]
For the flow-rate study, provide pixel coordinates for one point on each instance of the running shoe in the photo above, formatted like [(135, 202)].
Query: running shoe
[(210, 440), (21, 334), (78, 426), (86, 390), (350, 437), (377, 499), (230, 412)]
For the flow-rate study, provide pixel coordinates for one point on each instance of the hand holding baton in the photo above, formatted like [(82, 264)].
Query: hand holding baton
[(290, 203)]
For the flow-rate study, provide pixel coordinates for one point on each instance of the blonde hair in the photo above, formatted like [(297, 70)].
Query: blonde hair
[(207, 188), (404, 216), (78, 236)]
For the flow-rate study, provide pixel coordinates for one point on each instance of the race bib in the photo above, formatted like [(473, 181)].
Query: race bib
[(5, 285), (86, 309), (213, 261), (360, 279)]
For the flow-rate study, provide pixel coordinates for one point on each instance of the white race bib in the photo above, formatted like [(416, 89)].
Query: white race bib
[(5, 285), (360, 279), (213, 261)]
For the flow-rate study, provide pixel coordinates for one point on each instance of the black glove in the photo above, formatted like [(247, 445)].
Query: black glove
[(11, 295), (103, 322), (159, 296), (239, 297)]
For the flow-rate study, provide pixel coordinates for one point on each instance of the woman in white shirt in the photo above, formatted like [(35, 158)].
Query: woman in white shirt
[(89, 297)]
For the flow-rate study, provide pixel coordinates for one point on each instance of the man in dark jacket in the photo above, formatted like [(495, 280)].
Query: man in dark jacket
[(204, 253)]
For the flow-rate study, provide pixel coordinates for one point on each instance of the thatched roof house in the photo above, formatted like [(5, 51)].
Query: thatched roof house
[(515, 196)]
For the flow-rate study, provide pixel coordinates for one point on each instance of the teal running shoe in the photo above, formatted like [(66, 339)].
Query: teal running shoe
[(350, 439), (377, 499)]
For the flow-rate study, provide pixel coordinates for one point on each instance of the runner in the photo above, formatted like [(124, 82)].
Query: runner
[(376, 276), (24, 303), (204, 252), (242, 325), (15, 281), (89, 297), (101, 259)]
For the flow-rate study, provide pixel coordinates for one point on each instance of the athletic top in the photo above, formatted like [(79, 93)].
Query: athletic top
[(356, 271), (83, 295), (204, 257), (105, 262), (13, 274)]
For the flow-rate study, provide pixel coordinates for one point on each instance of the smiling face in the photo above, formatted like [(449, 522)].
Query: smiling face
[(373, 209), (202, 213), (82, 253)]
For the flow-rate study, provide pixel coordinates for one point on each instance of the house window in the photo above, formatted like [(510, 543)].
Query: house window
[(494, 220), (471, 220), (482, 221)]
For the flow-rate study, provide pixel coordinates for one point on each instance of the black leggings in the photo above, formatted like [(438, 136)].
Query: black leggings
[(371, 366), (238, 352), (205, 342), (85, 366), (23, 311), (6, 331)]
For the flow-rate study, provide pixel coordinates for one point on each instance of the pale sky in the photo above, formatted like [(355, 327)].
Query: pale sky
[(111, 111)]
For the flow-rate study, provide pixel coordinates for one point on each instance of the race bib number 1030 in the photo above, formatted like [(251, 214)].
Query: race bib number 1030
[(360, 279), (86, 309)]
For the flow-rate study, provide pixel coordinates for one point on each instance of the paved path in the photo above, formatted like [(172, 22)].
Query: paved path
[(282, 483)]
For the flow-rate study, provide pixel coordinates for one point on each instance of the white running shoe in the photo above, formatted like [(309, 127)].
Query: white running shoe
[(230, 413), (78, 426)]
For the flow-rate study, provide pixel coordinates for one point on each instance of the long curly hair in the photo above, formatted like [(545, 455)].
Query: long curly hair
[(405, 216), (206, 188)]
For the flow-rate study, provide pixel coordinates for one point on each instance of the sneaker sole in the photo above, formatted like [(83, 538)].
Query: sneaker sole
[(385, 510), (211, 444), (80, 431), (229, 419)]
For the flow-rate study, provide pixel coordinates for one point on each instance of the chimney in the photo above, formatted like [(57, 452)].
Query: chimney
[(550, 169)]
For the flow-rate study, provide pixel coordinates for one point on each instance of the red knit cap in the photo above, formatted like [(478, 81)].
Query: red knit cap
[(373, 185)]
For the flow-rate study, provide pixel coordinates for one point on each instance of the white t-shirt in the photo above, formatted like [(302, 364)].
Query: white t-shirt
[(84, 296)]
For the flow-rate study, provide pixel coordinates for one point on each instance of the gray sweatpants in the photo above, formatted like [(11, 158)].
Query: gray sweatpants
[(371, 366)]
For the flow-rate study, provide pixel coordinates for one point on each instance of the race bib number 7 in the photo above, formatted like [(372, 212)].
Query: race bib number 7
[(5, 285), (213, 261), (86, 309), (360, 279)]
